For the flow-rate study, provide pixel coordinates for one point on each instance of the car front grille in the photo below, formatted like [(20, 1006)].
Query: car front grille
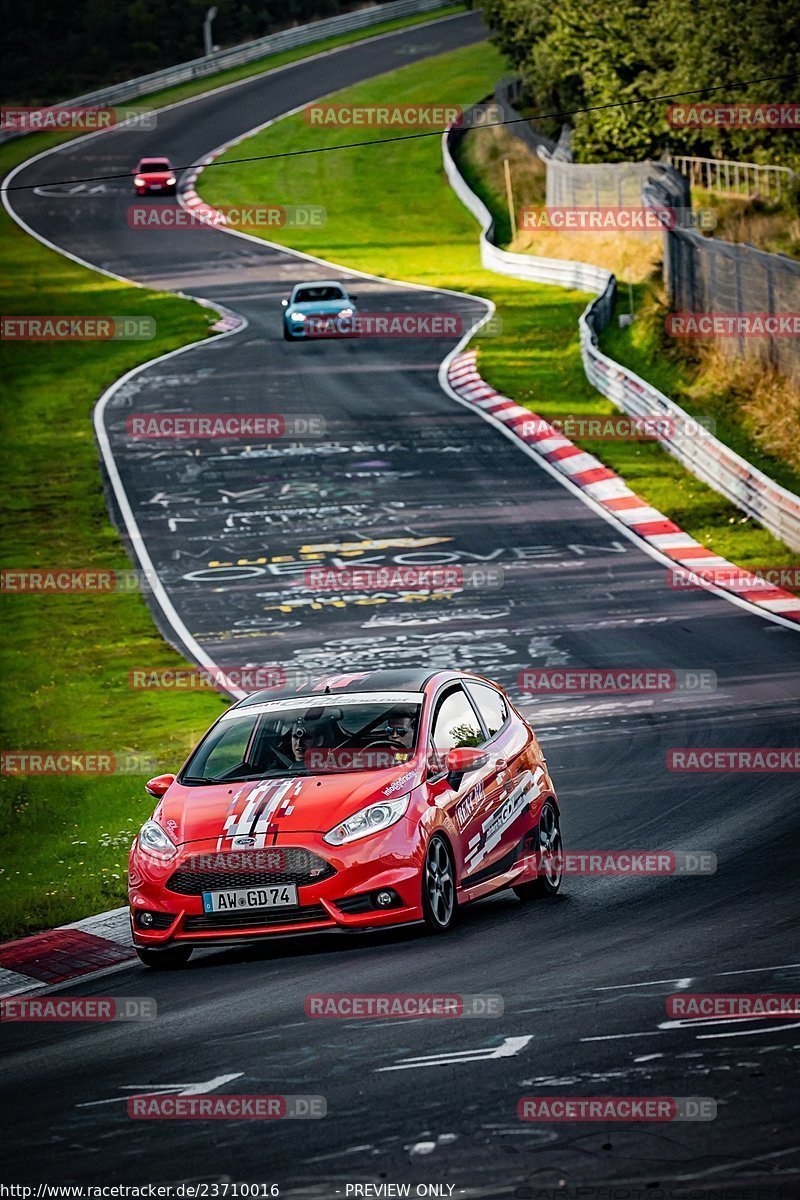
[(255, 919), (298, 866)]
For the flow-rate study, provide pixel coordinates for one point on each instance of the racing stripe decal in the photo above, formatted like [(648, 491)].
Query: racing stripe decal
[(527, 790), (238, 826), (265, 818)]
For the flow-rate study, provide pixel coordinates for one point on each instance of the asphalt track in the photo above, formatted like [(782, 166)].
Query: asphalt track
[(584, 978)]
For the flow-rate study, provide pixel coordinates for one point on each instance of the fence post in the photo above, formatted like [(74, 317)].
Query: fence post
[(773, 353), (737, 259)]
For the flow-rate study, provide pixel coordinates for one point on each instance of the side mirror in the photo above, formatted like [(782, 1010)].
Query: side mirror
[(158, 786), (285, 303), (350, 296), (461, 762)]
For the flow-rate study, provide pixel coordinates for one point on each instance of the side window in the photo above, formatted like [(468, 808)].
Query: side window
[(456, 723), (491, 706)]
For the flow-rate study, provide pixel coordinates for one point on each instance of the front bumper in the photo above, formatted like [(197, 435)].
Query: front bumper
[(343, 901), (164, 189), (299, 329)]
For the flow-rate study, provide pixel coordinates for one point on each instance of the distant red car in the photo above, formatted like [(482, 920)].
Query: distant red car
[(155, 175), (353, 802)]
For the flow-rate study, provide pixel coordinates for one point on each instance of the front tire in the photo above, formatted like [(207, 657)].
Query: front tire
[(438, 886), (172, 959), (549, 855)]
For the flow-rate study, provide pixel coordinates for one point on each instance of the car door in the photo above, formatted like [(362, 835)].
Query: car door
[(456, 727), (507, 817)]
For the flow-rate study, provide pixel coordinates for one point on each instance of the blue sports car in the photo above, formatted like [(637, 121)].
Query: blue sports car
[(320, 309)]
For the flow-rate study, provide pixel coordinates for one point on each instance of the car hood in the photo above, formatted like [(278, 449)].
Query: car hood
[(154, 176), (296, 804), (326, 307)]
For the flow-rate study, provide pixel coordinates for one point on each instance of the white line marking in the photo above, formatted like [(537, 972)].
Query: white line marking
[(650, 983), (704, 1037), (194, 648), (612, 1037), (510, 1047), (168, 1089), (685, 982)]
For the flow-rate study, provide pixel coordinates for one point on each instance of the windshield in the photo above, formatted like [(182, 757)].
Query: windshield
[(310, 295), (154, 164), (305, 739)]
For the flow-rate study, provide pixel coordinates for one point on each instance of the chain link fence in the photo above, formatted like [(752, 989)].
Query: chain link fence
[(710, 276)]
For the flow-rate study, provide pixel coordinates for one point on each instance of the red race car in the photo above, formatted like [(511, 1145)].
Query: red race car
[(352, 802), (154, 175)]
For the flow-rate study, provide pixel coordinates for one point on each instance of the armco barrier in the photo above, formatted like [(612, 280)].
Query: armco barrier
[(237, 56), (773, 506)]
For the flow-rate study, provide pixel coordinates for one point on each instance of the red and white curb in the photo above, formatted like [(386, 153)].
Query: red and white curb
[(188, 196), (611, 492), (228, 321), (190, 200), (89, 947)]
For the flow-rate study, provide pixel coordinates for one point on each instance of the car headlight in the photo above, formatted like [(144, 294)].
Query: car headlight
[(139, 182), (154, 840), (368, 820), (346, 312), (297, 316), (170, 180)]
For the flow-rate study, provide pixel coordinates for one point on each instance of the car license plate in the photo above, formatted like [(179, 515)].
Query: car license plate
[(278, 895), (156, 187)]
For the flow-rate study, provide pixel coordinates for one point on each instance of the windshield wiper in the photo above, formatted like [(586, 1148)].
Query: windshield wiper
[(226, 778)]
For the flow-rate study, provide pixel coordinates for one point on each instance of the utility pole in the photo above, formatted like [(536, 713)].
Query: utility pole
[(209, 45), (512, 216)]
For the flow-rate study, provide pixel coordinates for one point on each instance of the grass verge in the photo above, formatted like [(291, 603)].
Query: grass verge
[(65, 659), (756, 412), (391, 212)]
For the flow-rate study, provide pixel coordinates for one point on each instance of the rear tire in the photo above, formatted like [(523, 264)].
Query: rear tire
[(438, 886), (549, 852), (165, 960)]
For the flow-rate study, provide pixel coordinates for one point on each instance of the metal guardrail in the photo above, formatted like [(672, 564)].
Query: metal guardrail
[(564, 272), (728, 177), (237, 56), (709, 459)]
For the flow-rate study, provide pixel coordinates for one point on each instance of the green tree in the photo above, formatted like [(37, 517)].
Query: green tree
[(597, 57)]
